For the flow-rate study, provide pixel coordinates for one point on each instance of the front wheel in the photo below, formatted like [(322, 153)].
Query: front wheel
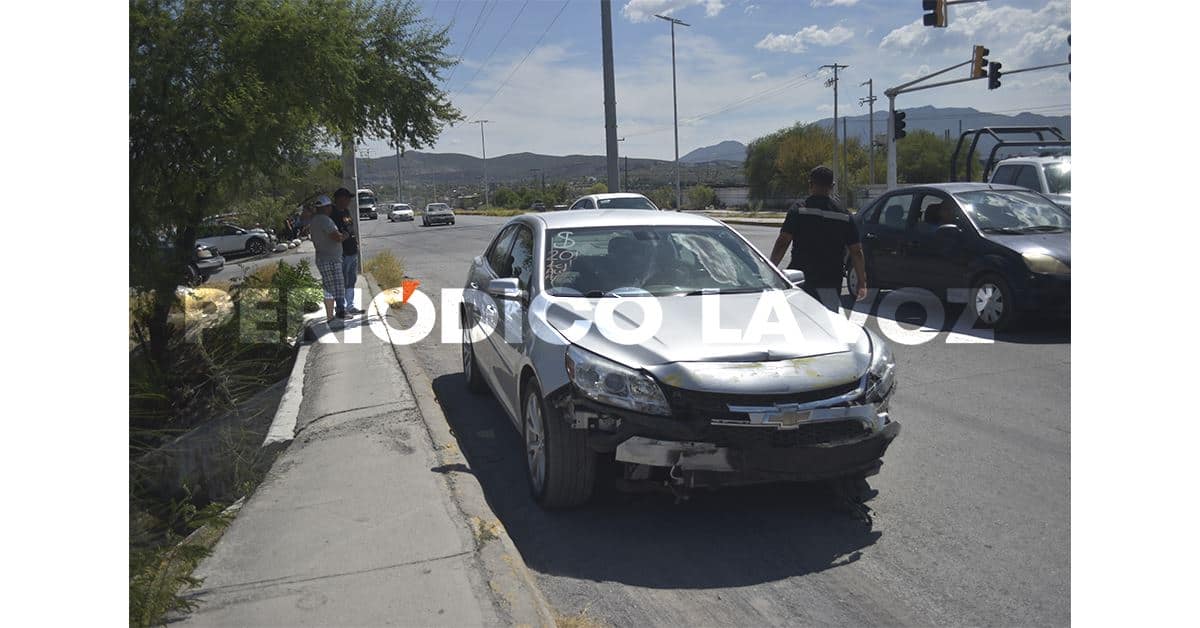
[(562, 468), (256, 246), (471, 372), (992, 299)]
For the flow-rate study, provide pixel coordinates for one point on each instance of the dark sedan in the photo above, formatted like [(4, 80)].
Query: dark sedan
[(1005, 249)]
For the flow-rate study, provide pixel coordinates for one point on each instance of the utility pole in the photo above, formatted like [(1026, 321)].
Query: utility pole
[(845, 157), (870, 102), (399, 175), (675, 103), (625, 183), (610, 96), (834, 82), (483, 142), (350, 180)]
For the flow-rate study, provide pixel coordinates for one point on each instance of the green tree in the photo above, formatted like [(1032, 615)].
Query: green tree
[(701, 196), (923, 157), (598, 188), (663, 196), (505, 198), (225, 95)]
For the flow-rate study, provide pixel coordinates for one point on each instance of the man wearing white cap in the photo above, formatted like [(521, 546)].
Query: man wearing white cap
[(327, 240)]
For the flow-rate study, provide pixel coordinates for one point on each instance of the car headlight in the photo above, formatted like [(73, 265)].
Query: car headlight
[(203, 253), (881, 375), (608, 382), (1045, 263)]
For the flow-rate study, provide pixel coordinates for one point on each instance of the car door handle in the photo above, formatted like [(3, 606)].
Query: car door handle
[(870, 236)]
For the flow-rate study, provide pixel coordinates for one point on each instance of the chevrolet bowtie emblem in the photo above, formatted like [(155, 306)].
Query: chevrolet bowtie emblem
[(784, 416)]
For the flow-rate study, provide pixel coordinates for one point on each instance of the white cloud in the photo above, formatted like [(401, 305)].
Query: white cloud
[(803, 37), (758, 76), (834, 3), (750, 9), (912, 35), (643, 10)]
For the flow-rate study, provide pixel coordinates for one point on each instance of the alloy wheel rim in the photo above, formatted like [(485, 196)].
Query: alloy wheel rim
[(989, 303), (535, 444)]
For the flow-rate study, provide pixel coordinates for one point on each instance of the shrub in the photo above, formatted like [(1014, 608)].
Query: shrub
[(387, 269)]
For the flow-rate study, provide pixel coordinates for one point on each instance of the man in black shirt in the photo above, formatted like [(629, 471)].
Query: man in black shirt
[(820, 233), (345, 223)]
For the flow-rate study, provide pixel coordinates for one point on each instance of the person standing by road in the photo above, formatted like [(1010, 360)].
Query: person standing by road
[(820, 233), (327, 240), (345, 223)]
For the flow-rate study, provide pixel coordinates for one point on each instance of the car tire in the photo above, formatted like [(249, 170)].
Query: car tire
[(194, 278), (852, 281), (256, 246), (471, 372), (992, 300), (451, 222), (560, 465)]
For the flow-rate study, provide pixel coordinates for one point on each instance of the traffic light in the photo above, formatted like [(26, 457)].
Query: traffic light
[(979, 62), (938, 16), (898, 131), (993, 75)]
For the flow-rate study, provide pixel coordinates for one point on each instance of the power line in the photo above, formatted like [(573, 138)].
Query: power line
[(494, 48), (522, 62), (741, 102), (471, 37)]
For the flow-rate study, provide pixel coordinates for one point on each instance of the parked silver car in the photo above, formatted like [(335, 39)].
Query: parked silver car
[(681, 405)]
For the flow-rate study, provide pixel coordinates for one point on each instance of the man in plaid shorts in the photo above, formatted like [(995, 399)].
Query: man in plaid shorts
[(327, 240)]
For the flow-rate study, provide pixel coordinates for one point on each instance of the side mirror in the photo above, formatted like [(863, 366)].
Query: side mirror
[(948, 232), (506, 288), (794, 276)]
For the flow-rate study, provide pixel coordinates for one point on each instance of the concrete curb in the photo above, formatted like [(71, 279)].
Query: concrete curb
[(283, 425), (464, 487)]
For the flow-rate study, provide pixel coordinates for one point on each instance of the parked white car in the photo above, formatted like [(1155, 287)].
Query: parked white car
[(228, 238), (400, 211), (614, 200)]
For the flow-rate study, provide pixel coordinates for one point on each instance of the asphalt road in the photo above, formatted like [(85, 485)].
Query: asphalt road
[(972, 516)]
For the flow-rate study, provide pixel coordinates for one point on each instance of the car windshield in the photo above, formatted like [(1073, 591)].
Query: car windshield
[(439, 207), (1058, 178), (661, 261), (627, 202), (366, 199), (1013, 211)]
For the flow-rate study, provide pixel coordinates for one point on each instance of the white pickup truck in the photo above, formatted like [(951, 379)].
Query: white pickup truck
[(1050, 175)]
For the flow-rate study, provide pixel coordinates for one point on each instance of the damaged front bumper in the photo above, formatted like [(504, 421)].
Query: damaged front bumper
[(711, 442)]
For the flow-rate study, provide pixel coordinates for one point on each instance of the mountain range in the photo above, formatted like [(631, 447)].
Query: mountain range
[(719, 164), (946, 121)]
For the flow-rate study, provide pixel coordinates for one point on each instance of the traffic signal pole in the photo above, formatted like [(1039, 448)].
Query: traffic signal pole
[(891, 94)]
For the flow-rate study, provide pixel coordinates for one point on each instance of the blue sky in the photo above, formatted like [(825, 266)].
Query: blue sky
[(746, 67)]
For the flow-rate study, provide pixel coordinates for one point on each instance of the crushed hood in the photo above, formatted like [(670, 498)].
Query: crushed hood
[(829, 350)]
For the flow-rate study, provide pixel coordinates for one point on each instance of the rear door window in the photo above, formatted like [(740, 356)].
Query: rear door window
[(1027, 178), (895, 211), (1005, 174)]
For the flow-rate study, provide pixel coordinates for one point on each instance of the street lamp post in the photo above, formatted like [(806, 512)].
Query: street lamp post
[(675, 104)]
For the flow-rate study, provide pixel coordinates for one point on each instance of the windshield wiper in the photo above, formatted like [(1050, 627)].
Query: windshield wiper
[(1000, 230), (601, 294), (1044, 228), (701, 291)]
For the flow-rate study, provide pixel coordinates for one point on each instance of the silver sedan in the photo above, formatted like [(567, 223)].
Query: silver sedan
[(667, 342)]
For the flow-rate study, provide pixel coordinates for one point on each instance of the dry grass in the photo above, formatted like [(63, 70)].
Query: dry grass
[(387, 269), (580, 620), (492, 211)]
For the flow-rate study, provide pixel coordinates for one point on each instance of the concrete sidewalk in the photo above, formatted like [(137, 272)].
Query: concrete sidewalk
[(355, 523)]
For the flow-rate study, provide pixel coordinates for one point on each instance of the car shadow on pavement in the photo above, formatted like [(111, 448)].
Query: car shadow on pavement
[(727, 538), (912, 311)]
